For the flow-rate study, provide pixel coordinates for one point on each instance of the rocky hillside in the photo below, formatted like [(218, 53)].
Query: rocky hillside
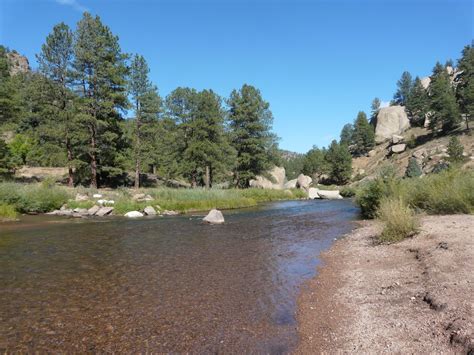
[(18, 63)]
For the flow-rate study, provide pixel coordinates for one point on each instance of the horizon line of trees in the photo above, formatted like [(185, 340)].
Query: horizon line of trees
[(72, 112)]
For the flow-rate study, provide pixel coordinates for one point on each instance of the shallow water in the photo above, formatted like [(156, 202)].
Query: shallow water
[(163, 284)]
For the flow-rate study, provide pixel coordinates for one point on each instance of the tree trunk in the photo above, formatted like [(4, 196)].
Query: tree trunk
[(208, 178), (93, 156), (193, 180), (70, 178), (137, 148)]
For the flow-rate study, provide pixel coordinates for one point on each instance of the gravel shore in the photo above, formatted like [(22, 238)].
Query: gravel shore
[(415, 296)]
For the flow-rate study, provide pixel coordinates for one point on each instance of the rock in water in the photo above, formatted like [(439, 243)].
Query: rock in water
[(303, 181), (93, 210), (313, 193), (149, 211), (330, 194), (214, 217), (104, 211), (133, 214), (390, 120)]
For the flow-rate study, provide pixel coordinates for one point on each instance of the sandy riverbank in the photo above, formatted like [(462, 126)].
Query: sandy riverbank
[(415, 296)]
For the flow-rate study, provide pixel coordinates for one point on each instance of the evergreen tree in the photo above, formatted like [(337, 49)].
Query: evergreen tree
[(363, 136), (100, 73), (404, 86), (455, 150), (55, 64), (9, 103), (5, 158), (147, 105), (340, 162), (315, 162), (413, 168), (465, 87), (375, 106), (250, 122), (346, 134), (417, 104), (445, 112)]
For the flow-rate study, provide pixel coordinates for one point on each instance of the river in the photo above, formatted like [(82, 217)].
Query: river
[(170, 284)]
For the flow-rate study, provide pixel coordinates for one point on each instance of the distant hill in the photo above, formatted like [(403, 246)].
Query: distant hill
[(288, 155)]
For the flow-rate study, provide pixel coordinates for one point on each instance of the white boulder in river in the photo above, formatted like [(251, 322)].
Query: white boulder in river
[(390, 120), (303, 181), (313, 193), (330, 194), (133, 214), (214, 217), (149, 211)]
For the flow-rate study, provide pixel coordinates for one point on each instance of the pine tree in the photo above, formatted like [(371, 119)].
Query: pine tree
[(455, 150), (147, 105), (413, 168), (465, 87), (443, 105), (250, 123), (315, 162), (55, 62), (417, 104), (5, 158), (404, 86), (346, 134), (340, 162), (375, 106), (363, 136), (100, 73)]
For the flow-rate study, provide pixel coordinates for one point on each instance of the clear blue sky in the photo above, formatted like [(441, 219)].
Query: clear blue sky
[(317, 62)]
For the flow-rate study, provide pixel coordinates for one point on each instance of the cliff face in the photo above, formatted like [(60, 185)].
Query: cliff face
[(18, 63)]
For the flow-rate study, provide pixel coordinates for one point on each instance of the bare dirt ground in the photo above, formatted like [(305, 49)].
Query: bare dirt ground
[(416, 296)]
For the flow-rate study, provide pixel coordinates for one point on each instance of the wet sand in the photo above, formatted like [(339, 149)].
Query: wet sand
[(415, 296)]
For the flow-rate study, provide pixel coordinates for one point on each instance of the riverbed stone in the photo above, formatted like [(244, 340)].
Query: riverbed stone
[(104, 211), (82, 211), (214, 217), (303, 181), (149, 211), (133, 214), (313, 193), (93, 210), (330, 194), (169, 213)]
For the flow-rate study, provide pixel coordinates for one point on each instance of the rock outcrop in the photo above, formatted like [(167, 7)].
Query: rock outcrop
[(277, 174), (313, 193), (391, 120), (214, 217), (18, 63), (303, 181), (330, 194), (291, 184)]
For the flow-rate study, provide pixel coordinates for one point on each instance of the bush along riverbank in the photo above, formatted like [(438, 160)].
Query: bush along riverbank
[(78, 202), (398, 202)]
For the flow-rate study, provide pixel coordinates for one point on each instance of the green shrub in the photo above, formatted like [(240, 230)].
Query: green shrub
[(348, 191), (7, 212), (369, 196), (413, 168), (455, 150), (399, 220)]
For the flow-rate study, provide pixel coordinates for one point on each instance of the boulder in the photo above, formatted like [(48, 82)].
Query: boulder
[(93, 210), (214, 217), (398, 148), (142, 197), (169, 213), (133, 214), (105, 202), (104, 211), (330, 194), (397, 139), (81, 197), (82, 211), (278, 176), (303, 181), (291, 184), (425, 82), (313, 193), (97, 196), (390, 120), (149, 211)]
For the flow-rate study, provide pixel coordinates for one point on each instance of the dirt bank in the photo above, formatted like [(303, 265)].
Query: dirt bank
[(415, 296)]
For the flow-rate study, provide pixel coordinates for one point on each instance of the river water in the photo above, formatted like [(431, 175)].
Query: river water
[(169, 284)]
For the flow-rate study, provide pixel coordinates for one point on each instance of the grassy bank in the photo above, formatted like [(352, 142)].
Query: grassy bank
[(396, 201), (45, 197)]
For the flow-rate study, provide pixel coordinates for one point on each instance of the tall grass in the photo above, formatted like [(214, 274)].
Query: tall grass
[(399, 220), (7, 212)]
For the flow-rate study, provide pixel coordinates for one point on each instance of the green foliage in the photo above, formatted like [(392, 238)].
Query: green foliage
[(7, 212), (417, 104), (315, 163), (368, 197), (404, 87), (347, 133), (5, 158), (20, 147), (375, 106), (413, 168), (455, 150), (340, 163), (364, 136), (348, 191), (250, 122), (293, 166), (399, 220), (445, 111), (465, 86)]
